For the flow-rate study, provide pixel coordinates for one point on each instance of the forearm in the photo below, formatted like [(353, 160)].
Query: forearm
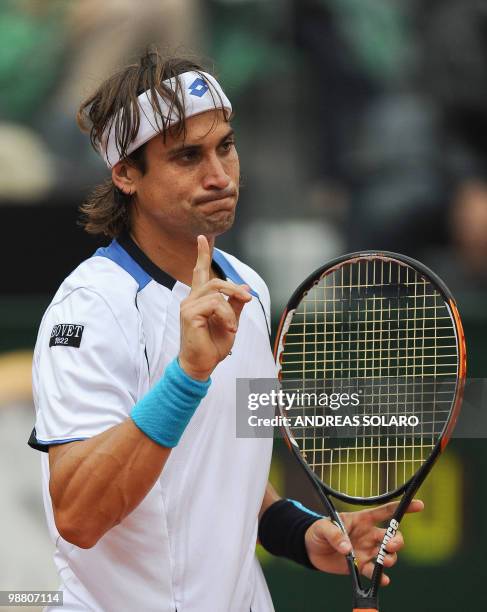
[(96, 483)]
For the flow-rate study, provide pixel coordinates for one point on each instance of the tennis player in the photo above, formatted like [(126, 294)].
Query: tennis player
[(152, 501)]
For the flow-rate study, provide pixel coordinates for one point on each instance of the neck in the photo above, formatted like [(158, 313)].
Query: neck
[(175, 254)]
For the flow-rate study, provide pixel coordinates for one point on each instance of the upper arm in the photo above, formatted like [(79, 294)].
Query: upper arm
[(57, 451)]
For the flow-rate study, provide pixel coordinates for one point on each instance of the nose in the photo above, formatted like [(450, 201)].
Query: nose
[(215, 174)]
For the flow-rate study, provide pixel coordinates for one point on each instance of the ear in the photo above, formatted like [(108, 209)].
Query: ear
[(125, 177)]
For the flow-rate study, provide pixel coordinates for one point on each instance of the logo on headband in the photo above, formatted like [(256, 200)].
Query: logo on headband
[(198, 87)]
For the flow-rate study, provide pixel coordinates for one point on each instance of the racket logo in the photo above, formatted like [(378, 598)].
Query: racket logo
[(390, 533)]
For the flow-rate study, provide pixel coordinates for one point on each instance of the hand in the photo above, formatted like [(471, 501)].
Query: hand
[(209, 322), (327, 545)]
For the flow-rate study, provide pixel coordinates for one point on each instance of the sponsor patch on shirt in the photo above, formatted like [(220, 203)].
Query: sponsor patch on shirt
[(66, 334)]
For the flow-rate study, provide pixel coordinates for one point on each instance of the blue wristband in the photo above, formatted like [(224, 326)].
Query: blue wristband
[(165, 411)]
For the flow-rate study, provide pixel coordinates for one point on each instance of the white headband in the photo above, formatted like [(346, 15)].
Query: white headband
[(198, 96)]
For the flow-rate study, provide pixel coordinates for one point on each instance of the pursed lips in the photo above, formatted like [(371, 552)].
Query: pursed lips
[(220, 200)]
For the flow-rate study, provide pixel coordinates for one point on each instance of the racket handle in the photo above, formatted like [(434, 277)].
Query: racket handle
[(365, 610)]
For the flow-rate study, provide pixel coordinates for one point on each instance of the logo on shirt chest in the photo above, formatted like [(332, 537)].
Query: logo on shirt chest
[(66, 334)]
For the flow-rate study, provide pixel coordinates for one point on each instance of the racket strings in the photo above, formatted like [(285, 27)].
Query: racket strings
[(378, 329)]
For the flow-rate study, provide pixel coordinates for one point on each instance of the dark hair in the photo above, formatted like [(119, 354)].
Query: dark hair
[(107, 209)]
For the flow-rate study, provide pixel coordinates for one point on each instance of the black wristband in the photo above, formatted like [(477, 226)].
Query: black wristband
[(282, 529)]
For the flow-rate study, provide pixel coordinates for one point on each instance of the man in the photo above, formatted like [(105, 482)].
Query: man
[(152, 501)]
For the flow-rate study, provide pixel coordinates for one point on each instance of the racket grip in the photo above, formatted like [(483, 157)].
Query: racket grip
[(365, 610)]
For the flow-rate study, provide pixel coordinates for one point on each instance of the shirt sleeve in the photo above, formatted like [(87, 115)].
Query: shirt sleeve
[(85, 375)]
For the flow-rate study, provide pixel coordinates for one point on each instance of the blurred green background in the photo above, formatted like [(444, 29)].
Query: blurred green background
[(360, 124)]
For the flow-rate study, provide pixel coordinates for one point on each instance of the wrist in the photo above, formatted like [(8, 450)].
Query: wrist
[(283, 528), (201, 375), (165, 411)]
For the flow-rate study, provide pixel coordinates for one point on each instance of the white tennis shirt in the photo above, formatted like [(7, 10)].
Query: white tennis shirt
[(104, 341)]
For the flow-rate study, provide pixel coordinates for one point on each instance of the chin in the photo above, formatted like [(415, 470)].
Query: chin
[(216, 224)]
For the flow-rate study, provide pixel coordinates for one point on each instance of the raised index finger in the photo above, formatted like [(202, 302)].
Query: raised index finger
[(201, 272)]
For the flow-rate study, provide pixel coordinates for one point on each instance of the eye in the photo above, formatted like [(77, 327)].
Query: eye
[(188, 156), (227, 145)]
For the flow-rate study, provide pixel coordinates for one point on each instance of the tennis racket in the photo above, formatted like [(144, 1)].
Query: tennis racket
[(381, 332)]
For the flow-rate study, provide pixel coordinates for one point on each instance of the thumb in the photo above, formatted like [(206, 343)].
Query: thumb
[(329, 532)]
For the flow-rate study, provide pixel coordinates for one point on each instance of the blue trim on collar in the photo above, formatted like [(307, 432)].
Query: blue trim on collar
[(230, 271), (120, 256)]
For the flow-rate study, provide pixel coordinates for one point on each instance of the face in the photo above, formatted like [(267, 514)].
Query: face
[(190, 186)]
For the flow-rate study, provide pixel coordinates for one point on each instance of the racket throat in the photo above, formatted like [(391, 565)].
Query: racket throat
[(365, 603), (362, 599)]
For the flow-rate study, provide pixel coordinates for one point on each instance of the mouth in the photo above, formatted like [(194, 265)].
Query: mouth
[(215, 204)]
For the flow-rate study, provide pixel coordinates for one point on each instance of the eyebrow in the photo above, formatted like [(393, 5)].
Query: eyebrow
[(187, 146)]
